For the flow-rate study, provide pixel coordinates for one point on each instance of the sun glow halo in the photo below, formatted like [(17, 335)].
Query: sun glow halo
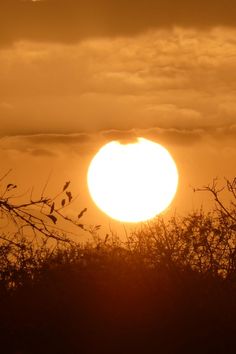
[(132, 182)]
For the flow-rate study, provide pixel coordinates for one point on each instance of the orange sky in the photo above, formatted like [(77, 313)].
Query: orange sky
[(76, 74)]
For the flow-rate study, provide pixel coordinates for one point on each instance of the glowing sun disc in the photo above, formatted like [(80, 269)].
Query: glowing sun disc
[(132, 182)]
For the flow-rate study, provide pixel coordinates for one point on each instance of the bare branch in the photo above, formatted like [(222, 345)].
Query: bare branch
[(39, 216)]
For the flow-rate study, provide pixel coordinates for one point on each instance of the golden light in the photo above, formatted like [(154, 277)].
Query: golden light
[(132, 182)]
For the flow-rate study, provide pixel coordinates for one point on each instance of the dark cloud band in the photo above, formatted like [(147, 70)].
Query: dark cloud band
[(68, 21)]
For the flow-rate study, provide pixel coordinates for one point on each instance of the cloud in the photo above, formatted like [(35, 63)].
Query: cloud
[(174, 136), (181, 137), (41, 152), (54, 145), (124, 136), (172, 79), (228, 132), (67, 21), (47, 145), (62, 139), (170, 136)]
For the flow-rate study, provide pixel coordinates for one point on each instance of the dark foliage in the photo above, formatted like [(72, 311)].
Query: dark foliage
[(170, 288)]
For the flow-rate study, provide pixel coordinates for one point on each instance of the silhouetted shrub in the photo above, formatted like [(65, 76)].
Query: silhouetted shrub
[(170, 288)]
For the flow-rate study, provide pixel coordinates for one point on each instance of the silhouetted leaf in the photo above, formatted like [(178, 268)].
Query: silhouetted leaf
[(11, 186), (52, 208), (53, 218), (63, 202), (66, 185), (82, 213), (233, 227), (69, 195)]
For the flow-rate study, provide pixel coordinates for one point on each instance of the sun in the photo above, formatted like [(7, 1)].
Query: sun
[(132, 182)]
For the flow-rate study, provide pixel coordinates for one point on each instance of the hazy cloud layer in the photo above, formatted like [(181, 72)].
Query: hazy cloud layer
[(67, 21), (164, 136), (58, 139), (48, 145), (172, 136), (170, 79), (51, 145)]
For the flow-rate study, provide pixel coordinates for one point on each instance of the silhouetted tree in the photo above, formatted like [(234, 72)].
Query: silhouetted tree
[(202, 241), (43, 216), (171, 279)]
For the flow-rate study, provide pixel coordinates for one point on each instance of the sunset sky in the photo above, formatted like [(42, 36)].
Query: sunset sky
[(77, 74)]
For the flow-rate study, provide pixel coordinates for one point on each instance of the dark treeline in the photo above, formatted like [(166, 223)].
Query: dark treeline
[(169, 288)]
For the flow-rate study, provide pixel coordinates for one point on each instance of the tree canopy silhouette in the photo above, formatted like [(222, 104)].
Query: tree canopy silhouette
[(170, 278)]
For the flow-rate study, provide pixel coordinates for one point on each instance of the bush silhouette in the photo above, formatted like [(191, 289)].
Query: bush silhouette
[(169, 288)]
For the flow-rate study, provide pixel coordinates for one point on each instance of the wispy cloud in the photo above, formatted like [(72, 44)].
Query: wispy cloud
[(48, 145), (175, 136)]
